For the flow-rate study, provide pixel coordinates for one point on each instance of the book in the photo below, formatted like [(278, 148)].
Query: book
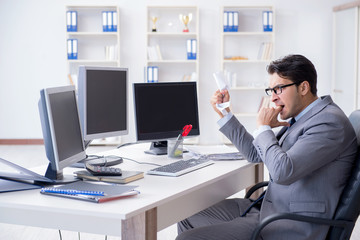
[(126, 177), (82, 191)]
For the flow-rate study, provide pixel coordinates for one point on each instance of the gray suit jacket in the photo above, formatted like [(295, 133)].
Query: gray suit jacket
[(308, 167)]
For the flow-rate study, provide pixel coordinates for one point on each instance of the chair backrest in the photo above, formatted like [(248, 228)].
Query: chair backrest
[(349, 204), (355, 121)]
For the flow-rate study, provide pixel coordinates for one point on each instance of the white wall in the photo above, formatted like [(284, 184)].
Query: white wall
[(33, 51)]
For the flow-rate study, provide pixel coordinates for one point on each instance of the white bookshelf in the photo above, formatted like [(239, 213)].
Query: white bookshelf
[(92, 41), (91, 38), (242, 59), (171, 39), (169, 36)]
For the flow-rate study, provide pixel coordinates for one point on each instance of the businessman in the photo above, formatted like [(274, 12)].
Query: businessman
[(309, 160)]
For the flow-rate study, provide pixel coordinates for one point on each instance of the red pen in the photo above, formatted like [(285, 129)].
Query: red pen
[(186, 130), (184, 133)]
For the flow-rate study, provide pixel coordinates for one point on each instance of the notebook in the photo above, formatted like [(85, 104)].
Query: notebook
[(111, 192)]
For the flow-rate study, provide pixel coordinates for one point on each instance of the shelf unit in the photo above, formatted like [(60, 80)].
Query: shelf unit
[(92, 41), (172, 41), (244, 57), (169, 36)]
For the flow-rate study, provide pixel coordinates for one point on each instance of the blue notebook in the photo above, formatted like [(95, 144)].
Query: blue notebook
[(111, 192)]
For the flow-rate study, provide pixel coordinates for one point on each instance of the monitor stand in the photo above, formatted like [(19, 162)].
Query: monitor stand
[(158, 148), (59, 177), (97, 160)]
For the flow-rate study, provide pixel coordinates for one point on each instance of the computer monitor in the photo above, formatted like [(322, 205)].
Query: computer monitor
[(103, 101), (162, 110), (102, 96), (61, 130)]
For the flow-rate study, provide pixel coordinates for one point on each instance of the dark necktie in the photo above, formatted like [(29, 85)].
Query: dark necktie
[(292, 121)]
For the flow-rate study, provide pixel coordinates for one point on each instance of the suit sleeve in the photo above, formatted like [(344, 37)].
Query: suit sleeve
[(241, 139)]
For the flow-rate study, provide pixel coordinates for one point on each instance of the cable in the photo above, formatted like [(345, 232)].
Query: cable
[(142, 162), (127, 144), (125, 159), (60, 234)]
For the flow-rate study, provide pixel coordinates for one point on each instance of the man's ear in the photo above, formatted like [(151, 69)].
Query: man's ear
[(304, 87)]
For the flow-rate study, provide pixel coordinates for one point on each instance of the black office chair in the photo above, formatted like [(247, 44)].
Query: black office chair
[(347, 211)]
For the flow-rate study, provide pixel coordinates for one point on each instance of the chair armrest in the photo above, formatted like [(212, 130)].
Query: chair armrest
[(278, 216), (256, 187)]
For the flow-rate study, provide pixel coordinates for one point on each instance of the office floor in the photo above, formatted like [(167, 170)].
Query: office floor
[(34, 155)]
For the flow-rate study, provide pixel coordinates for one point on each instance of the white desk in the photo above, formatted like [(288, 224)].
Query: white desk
[(163, 200)]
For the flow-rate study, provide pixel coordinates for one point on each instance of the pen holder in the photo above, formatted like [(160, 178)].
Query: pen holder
[(175, 148)]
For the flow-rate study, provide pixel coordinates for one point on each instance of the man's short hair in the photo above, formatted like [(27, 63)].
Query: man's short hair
[(297, 69)]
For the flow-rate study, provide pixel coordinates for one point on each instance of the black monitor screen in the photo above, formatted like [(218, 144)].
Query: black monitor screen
[(163, 109), (65, 119), (103, 101), (61, 129)]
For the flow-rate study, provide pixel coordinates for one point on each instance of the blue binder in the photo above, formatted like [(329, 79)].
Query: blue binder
[(226, 21), (109, 21), (71, 21), (155, 74), (188, 49), (236, 21), (105, 21), (152, 74), (114, 21), (68, 21), (267, 21), (72, 48), (193, 48), (74, 21)]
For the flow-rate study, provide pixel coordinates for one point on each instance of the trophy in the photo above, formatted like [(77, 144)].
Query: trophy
[(186, 19), (154, 19)]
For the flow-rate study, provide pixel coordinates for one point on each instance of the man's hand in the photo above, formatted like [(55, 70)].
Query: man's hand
[(269, 116), (218, 98)]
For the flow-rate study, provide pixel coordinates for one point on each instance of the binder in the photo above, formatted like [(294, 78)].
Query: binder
[(74, 49), (114, 21), (71, 21), (193, 48), (150, 74), (231, 21), (74, 21), (105, 21), (236, 21), (69, 49), (270, 14), (109, 21), (68, 21), (267, 21), (188, 49), (226, 21), (155, 74)]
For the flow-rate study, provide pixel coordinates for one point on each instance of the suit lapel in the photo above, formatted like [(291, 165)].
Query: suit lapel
[(326, 100)]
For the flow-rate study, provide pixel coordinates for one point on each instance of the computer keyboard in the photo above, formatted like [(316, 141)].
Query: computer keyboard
[(180, 167)]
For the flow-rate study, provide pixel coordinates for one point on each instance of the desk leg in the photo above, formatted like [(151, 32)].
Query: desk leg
[(141, 227), (259, 177)]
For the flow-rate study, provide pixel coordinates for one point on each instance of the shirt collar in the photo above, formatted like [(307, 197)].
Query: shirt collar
[(310, 106)]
